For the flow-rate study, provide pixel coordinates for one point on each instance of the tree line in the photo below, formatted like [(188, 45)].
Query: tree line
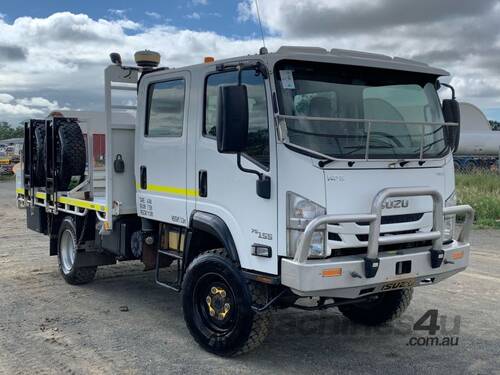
[(7, 131)]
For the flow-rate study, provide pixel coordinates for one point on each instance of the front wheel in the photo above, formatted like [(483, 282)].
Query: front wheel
[(67, 254), (386, 307), (217, 304)]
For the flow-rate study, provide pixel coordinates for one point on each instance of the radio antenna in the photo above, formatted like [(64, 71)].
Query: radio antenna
[(260, 23)]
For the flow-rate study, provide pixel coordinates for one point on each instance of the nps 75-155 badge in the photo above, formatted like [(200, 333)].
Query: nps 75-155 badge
[(262, 235)]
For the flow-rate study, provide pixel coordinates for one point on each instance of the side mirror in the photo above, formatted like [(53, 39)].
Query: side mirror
[(232, 119), (451, 110), (451, 113)]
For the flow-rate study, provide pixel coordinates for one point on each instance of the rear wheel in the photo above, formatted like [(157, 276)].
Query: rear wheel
[(67, 255), (217, 305), (388, 306)]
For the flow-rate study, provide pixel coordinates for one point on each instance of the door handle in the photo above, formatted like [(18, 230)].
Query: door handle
[(202, 183), (144, 178)]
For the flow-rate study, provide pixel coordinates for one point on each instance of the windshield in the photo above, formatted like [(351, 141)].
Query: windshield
[(324, 103)]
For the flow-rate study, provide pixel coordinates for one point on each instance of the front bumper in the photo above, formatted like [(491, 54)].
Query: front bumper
[(356, 276), (307, 279)]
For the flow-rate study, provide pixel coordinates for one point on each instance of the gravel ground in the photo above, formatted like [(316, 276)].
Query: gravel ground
[(50, 327)]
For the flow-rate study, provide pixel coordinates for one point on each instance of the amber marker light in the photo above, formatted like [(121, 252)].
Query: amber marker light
[(331, 272)]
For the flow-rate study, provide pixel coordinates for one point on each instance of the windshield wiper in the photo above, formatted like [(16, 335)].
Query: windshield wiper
[(325, 162), (309, 152)]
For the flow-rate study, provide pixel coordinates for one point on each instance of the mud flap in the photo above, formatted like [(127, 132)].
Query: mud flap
[(149, 254), (148, 257), (36, 219), (93, 258), (53, 245)]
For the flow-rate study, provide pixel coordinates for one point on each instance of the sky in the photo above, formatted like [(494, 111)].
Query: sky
[(53, 53)]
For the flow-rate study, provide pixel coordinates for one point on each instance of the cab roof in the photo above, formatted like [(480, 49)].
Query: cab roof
[(345, 57), (348, 57), (334, 56)]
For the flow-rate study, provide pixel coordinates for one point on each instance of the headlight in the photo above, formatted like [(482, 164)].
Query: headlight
[(449, 221), (300, 212)]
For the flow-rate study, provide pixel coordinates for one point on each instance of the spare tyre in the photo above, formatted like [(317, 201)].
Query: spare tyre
[(70, 155), (38, 156)]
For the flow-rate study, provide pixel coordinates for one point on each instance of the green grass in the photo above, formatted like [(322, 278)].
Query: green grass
[(481, 190)]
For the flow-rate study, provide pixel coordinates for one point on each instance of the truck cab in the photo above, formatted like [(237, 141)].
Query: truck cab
[(273, 177)]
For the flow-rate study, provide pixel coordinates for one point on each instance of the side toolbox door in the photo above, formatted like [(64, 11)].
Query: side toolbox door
[(161, 148)]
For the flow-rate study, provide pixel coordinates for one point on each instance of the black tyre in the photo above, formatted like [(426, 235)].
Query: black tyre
[(38, 157), (67, 253), (388, 306), (70, 155), (217, 306)]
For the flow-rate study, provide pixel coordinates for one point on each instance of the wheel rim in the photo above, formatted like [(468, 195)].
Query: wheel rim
[(215, 305), (68, 251)]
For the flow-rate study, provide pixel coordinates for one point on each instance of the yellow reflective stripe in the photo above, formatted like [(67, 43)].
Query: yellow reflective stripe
[(71, 201), (169, 190), (83, 204), (40, 195)]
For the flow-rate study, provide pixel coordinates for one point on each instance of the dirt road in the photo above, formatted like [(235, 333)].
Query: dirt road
[(50, 327)]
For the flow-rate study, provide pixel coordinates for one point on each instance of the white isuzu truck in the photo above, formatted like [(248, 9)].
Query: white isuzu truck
[(260, 181)]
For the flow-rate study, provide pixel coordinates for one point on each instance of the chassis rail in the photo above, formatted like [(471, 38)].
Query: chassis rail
[(374, 219)]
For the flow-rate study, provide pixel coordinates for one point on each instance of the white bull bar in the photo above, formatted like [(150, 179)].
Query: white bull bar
[(371, 260)]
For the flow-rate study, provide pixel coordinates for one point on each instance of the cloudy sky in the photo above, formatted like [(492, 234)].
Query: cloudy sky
[(52, 53)]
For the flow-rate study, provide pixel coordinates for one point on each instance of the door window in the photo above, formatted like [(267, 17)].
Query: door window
[(165, 115), (258, 132)]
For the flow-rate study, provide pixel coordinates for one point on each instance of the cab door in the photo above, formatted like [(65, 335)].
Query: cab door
[(229, 192), (161, 148)]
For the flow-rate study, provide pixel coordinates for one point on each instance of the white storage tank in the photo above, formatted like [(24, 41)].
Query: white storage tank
[(476, 136)]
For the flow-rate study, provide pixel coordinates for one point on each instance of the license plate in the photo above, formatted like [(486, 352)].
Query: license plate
[(408, 283)]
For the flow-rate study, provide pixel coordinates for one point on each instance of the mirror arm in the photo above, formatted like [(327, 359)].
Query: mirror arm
[(451, 88), (263, 184), (246, 170)]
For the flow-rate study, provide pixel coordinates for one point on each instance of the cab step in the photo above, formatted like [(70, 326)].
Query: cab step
[(178, 258)]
